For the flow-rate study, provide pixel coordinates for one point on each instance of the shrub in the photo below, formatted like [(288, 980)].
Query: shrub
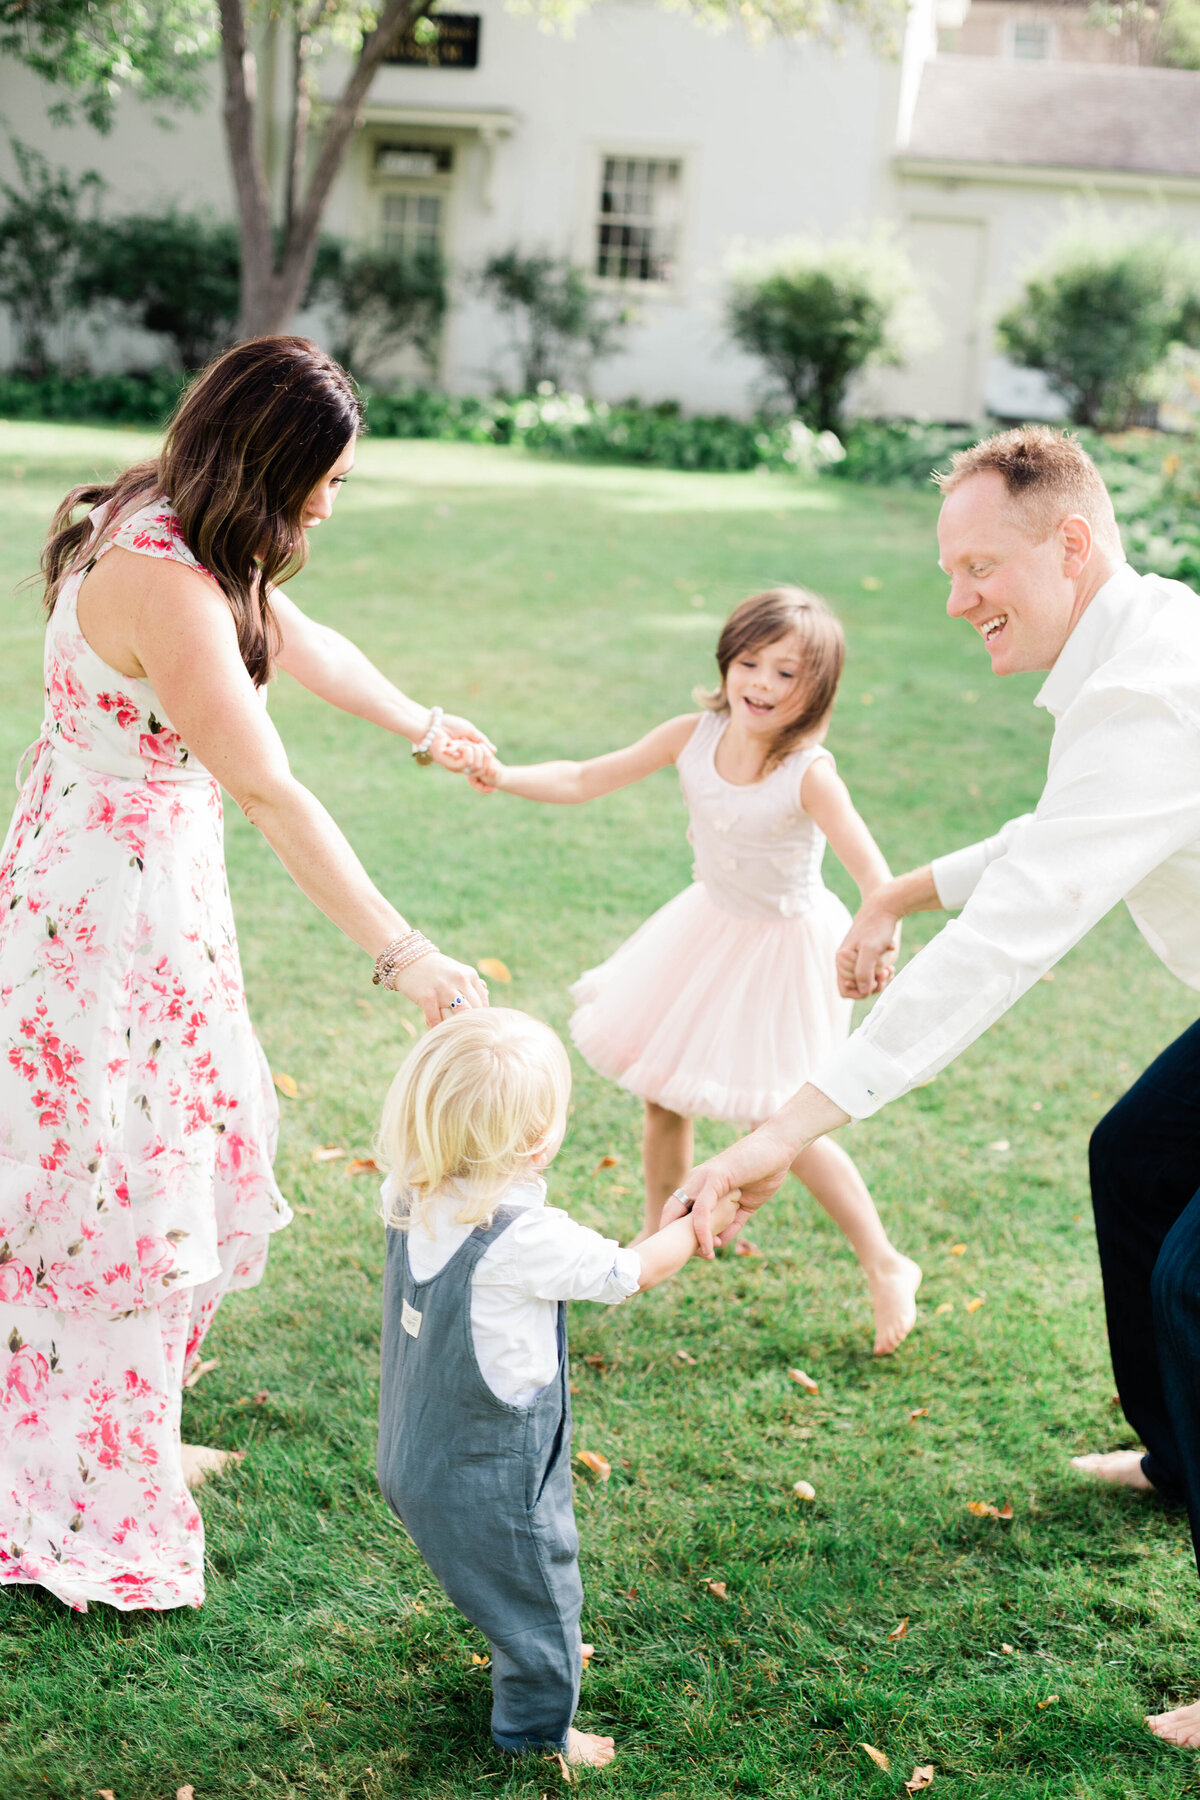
[(386, 300), (816, 314), (137, 399), (1100, 318), (42, 231), (174, 274), (899, 452), (561, 326)]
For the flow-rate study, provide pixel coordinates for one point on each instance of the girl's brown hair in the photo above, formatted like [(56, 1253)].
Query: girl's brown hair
[(248, 443), (764, 619)]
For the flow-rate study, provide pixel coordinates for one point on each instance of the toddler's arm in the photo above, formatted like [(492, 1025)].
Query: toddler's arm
[(665, 1253), (570, 783)]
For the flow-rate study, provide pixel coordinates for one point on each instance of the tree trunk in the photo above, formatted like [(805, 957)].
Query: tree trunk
[(274, 288)]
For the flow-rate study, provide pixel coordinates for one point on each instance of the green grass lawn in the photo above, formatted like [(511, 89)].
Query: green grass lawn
[(567, 609)]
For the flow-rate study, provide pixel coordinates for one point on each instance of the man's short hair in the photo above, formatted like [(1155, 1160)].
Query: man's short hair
[(1049, 476)]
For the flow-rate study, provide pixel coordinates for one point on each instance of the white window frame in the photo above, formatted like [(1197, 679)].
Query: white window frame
[(1045, 25), (380, 184), (591, 216)]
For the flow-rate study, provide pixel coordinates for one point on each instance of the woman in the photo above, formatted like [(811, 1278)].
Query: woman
[(137, 1118)]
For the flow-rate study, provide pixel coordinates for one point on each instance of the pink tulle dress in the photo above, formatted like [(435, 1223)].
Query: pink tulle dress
[(721, 1004), (137, 1125)]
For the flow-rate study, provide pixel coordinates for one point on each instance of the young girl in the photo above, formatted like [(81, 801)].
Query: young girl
[(722, 1003), (474, 1405)]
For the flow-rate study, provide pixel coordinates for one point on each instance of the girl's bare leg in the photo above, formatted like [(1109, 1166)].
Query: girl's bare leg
[(666, 1159), (836, 1185), (199, 1462)]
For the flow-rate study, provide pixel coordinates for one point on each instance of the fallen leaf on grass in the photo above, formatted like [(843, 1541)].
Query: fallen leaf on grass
[(958, 1249), (408, 1026), (259, 1399), (564, 1767), (1000, 1144), (743, 1247), (975, 1304), (685, 1356), (1009, 1650), (1048, 1701), (876, 1756), (287, 1086), (306, 1212), (900, 1631), (481, 1662), (918, 1412), (597, 1362), (201, 1369), (1048, 976), (1006, 1511), (922, 1777), (606, 1162), (805, 1489), (493, 968), (805, 1381), (592, 1460), (185, 1793), (945, 1307), (719, 1588), (363, 1165), (106, 1794), (327, 1153), (983, 1510)]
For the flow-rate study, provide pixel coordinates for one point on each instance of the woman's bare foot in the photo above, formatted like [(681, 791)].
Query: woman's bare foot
[(1121, 1468), (1180, 1726), (894, 1297), (585, 1747), (199, 1462)]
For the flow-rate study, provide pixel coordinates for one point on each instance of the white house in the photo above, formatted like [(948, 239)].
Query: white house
[(647, 148)]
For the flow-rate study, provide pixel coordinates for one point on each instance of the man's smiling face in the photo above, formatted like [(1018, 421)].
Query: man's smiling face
[(1020, 595)]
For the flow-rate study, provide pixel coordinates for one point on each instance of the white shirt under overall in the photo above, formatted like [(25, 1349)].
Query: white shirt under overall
[(1119, 819), (543, 1257)]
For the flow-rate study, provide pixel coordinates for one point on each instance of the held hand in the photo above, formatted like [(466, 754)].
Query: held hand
[(462, 728), (756, 1164), (461, 755), (866, 960), (488, 777), (441, 987)]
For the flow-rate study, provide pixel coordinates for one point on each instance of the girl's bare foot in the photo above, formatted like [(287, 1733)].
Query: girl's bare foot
[(199, 1462), (585, 1747), (1122, 1468), (894, 1297), (1180, 1726)]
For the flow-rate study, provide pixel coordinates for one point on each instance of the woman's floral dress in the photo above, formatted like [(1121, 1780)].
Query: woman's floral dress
[(137, 1126)]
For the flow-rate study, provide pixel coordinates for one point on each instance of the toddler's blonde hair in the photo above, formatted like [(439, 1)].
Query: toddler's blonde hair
[(470, 1105)]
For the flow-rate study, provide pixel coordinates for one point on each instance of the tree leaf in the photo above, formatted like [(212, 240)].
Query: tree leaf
[(945, 1307), (974, 1304), (592, 1460), (805, 1489), (480, 1662), (982, 1509), (363, 1165), (1006, 1511), (201, 1369), (493, 969), (805, 1381), (743, 1247), (918, 1412), (685, 1356), (327, 1153), (1009, 1650), (286, 1085), (958, 1249), (1048, 1701), (719, 1588), (606, 1162), (875, 1755), (922, 1777), (564, 1767), (899, 1631)]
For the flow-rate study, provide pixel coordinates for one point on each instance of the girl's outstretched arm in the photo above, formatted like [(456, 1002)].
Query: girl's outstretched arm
[(570, 783), (826, 799)]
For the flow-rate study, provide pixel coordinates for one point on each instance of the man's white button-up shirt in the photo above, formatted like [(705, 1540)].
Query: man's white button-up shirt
[(1119, 819)]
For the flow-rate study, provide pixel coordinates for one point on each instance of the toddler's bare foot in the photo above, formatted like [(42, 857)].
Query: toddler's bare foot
[(1180, 1726), (1122, 1468), (199, 1462), (585, 1747), (894, 1297)]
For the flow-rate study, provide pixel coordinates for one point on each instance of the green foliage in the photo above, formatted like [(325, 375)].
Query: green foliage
[(556, 603), (1099, 318), (44, 227), (386, 300), (97, 49), (817, 314), (174, 273), (899, 452), (560, 325), (139, 398)]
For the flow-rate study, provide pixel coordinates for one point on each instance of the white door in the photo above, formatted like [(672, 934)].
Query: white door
[(945, 382)]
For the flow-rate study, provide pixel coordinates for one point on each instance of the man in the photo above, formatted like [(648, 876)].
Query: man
[(1030, 543)]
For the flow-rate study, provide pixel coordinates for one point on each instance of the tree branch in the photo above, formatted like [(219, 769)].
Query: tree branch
[(249, 179)]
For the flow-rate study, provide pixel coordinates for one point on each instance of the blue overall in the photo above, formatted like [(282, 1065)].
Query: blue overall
[(484, 1489)]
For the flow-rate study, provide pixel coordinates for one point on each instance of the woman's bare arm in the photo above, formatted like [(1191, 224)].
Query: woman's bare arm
[(571, 783)]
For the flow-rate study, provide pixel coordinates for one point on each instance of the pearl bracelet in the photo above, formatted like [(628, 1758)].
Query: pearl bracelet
[(399, 954), (422, 752)]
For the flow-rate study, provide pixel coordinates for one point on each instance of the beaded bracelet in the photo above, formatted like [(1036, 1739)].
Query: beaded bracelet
[(399, 954), (423, 752)]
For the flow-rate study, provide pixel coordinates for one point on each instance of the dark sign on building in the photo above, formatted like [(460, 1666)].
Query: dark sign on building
[(446, 41)]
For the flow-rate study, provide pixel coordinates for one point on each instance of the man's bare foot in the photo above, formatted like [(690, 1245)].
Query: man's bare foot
[(894, 1297), (1122, 1468), (199, 1462), (585, 1747), (1180, 1726)]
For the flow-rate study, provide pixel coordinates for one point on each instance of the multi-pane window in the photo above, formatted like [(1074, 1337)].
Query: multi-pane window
[(411, 221), (637, 229), (1031, 41)]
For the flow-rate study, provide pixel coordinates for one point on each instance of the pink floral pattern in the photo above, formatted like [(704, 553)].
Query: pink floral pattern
[(137, 1126)]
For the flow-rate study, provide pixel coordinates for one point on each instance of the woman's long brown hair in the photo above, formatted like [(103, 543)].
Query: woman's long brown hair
[(248, 443), (764, 619)]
